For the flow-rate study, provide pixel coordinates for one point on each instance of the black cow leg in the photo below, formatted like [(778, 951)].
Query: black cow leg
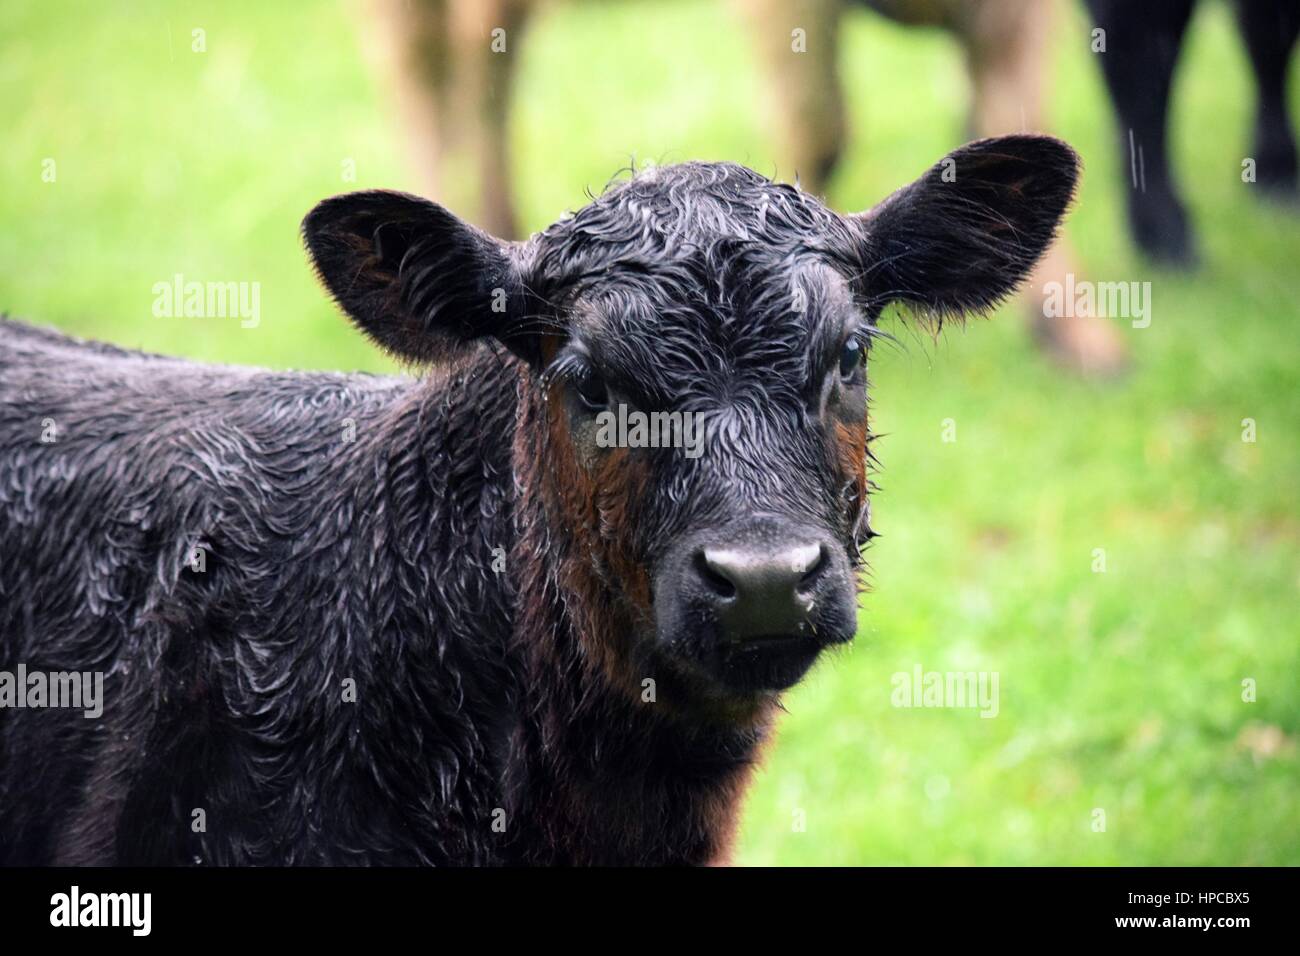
[(1143, 41), (1269, 28)]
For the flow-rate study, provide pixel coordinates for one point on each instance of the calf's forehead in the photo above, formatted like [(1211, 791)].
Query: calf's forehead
[(695, 274), (711, 323), (691, 210), (719, 198)]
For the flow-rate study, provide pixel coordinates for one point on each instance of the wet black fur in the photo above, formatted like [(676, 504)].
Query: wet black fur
[(371, 560)]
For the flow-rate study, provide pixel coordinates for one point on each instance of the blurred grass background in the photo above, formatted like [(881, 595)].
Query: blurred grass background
[(1119, 690)]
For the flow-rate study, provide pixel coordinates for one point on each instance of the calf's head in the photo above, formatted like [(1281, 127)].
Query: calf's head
[(742, 312)]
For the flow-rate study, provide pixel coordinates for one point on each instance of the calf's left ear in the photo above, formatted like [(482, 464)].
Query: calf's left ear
[(414, 277), (967, 232)]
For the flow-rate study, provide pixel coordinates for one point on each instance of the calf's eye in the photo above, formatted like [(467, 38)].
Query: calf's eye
[(851, 357), (592, 392)]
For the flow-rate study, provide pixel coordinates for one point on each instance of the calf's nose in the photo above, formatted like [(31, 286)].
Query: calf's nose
[(761, 592)]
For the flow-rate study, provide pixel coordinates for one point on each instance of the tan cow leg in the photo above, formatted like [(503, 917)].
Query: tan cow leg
[(453, 94), (802, 83), (1007, 46)]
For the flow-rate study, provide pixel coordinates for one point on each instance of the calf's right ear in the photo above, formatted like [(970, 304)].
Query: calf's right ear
[(415, 278), (971, 229)]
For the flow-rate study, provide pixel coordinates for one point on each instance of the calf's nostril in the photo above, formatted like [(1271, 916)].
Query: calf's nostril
[(714, 573), (762, 590), (813, 567), (760, 575)]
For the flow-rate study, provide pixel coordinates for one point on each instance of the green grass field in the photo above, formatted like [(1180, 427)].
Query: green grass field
[(1120, 691)]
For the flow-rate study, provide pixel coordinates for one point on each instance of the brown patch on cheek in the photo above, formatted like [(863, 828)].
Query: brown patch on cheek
[(597, 503), (851, 451), (568, 483), (624, 480)]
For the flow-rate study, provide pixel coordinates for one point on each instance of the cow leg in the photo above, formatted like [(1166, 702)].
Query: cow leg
[(1007, 45), (1143, 42), (1269, 28), (803, 88), (408, 43), (452, 91), (483, 81)]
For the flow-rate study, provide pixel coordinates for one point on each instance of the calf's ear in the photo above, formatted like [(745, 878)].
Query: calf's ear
[(967, 233), (415, 278)]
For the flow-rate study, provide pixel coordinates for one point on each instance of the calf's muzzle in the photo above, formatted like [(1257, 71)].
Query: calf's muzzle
[(753, 606)]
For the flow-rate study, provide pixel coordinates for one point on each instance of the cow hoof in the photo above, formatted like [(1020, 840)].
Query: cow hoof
[(1163, 232), (1278, 167), (1283, 193)]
